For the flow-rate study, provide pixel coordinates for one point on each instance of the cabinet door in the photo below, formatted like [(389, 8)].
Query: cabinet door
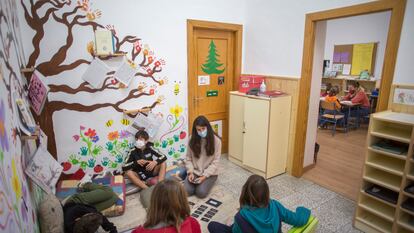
[(256, 122), (236, 127)]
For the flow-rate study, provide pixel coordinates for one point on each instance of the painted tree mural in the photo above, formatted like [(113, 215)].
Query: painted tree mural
[(71, 16), (212, 64)]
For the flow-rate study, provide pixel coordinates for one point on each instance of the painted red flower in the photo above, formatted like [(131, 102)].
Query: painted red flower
[(90, 133)]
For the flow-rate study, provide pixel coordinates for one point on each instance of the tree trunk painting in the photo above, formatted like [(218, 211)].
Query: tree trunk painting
[(70, 17)]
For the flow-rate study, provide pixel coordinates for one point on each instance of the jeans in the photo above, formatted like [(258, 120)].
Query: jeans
[(216, 227)]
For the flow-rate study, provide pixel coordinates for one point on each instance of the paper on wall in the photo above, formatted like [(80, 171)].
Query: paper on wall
[(42, 138), (203, 80), (37, 92), (404, 96), (125, 73), (337, 67), (96, 73), (150, 123), (362, 58), (44, 170), (104, 42), (217, 127), (346, 69)]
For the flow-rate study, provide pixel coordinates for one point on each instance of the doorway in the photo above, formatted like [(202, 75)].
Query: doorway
[(214, 65), (397, 9)]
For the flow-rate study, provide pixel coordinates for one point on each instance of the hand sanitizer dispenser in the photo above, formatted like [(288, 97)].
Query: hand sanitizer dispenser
[(263, 87)]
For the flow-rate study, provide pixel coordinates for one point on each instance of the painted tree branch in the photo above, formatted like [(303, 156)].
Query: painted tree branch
[(60, 105), (83, 87)]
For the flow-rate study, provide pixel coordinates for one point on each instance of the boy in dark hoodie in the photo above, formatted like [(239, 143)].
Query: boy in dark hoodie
[(259, 213), (144, 161)]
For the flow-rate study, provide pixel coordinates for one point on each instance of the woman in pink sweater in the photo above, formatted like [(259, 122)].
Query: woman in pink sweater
[(357, 95), (203, 158), (169, 211)]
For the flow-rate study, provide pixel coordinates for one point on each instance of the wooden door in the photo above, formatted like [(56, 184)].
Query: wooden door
[(213, 66), (256, 126)]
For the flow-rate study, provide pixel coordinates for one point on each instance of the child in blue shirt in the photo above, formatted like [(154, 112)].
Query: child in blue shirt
[(259, 213)]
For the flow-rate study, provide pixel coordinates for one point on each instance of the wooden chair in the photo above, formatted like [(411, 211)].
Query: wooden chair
[(330, 114)]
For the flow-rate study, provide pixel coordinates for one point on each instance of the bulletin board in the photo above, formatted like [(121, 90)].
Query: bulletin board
[(343, 54), (360, 56)]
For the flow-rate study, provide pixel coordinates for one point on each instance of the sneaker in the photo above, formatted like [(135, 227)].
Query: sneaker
[(88, 223)]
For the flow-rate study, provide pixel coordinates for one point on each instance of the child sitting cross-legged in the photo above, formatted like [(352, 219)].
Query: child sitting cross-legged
[(144, 162)]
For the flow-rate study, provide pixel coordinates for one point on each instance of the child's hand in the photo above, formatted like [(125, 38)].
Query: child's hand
[(142, 162), (151, 165), (200, 180), (191, 177)]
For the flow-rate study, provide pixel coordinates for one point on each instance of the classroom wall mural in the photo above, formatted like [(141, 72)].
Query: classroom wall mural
[(18, 196), (85, 125)]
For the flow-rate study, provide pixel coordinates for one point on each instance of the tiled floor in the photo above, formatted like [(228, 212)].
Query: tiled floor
[(335, 212)]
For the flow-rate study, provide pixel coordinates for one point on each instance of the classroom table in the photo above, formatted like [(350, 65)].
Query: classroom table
[(349, 105)]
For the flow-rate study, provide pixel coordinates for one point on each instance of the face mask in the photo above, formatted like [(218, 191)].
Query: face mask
[(140, 143), (202, 134)]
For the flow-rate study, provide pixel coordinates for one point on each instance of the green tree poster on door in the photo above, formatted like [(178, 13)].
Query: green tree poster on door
[(212, 63)]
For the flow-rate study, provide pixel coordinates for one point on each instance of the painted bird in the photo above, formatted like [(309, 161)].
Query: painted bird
[(125, 121), (109, 123)]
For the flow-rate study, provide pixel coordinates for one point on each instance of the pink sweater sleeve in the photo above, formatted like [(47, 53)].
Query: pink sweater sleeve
[(359, 98), (347, 97)]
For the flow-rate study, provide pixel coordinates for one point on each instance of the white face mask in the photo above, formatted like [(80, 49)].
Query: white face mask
[(203, 133), (140, 143)]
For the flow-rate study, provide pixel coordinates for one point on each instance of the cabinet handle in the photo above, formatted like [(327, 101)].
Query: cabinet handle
[(244, 127)]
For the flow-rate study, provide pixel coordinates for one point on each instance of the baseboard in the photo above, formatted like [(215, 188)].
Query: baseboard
[(309, 167)]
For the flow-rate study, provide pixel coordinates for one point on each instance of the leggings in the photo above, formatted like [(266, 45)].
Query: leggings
[(200, 190)]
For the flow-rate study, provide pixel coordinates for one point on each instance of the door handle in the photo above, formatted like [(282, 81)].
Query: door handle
[(196, 99)]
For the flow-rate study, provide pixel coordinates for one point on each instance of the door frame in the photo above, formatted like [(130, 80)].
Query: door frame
[(397, 8), (237, 30)]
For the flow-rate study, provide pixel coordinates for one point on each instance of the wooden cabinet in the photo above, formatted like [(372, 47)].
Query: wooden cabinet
[(389, 166), (259, 133)]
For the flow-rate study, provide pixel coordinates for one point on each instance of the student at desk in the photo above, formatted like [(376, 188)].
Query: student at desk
[(357, 95)]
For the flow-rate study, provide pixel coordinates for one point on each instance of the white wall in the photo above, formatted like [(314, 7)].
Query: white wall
[(404, 69), (274, 33), (320, 35), (162, 25), (359, 29)]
